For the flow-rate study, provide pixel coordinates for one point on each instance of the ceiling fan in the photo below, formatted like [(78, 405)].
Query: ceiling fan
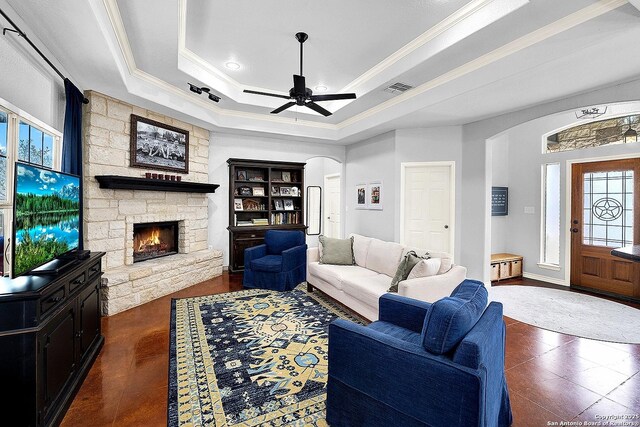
[(302, 95)]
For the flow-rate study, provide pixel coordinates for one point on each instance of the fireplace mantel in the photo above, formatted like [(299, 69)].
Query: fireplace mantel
[(117, 182)]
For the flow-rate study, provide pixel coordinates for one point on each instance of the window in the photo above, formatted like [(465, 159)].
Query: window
[(4, 135), (35, 146), (608, 208), (550, 245), (595, 134), (22, 138)]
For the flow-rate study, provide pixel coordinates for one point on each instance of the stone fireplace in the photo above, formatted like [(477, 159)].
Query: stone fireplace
[(136, 269), (154, 240)]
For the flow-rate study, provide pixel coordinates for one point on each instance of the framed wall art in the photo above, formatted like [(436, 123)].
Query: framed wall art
[(155, 145), (361, 196), (375, 195)]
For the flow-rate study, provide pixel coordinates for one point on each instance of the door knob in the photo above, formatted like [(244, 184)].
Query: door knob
[(446, 226), (574, 230)]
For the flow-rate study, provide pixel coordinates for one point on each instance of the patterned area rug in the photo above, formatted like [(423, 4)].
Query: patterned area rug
[(250, 358)]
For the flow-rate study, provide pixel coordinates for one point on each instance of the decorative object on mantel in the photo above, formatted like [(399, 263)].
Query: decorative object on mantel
[(158, 146), (116, 182), (166, 176)]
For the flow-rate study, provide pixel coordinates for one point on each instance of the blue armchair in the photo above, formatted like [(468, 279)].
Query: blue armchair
[(421, 364), (279, 264)]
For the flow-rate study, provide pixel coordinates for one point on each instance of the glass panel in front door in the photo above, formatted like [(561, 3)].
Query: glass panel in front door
[(608, 208)]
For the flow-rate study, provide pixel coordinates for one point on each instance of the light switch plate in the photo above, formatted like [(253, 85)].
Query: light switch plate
[(529, 210)]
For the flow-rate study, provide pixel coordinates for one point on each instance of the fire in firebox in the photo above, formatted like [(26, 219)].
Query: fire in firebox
[(154, 240)]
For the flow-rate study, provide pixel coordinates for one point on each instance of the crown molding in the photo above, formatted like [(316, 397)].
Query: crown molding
[(563, 24), (275, 124)]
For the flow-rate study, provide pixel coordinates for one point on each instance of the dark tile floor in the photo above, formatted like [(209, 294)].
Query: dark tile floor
[(551, 376)]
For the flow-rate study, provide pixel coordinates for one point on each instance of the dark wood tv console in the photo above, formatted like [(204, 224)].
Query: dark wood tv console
[(50, 335)]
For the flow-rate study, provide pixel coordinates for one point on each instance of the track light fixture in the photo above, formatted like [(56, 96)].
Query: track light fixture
[(199, 90)]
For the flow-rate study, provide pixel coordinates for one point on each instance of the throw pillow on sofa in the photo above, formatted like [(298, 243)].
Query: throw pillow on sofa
[(425, 268), (410, 260), (336, 251)]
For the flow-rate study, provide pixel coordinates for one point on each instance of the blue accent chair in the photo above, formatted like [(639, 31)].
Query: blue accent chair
[(421, 364), (279, 264)]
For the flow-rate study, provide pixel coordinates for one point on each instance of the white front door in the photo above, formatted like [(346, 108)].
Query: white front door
[(427, 211), (332, 206)]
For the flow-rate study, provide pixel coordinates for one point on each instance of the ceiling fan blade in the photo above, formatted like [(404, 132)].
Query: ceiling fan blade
[(283, 107), (299, 84), (277, 95), (318, 109), (333, 97)]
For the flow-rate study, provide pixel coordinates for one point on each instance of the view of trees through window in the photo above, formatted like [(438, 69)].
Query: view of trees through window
[(35, 146)]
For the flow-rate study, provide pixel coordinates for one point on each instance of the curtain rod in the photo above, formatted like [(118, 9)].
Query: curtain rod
[(24, 36)]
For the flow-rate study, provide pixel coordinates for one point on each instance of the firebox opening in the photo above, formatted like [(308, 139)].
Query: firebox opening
[(154, 240)]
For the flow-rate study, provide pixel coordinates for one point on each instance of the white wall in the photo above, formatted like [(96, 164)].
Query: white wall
[(477, 170), (27, 82), (431, 145), (372, 160), (500, 178), (524, 162), (381, 158), (315, 171), (223, 146)]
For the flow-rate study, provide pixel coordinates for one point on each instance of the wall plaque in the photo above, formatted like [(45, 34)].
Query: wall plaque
[(499, 201)]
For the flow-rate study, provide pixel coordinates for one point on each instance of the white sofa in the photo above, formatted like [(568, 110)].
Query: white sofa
[(359, 286)]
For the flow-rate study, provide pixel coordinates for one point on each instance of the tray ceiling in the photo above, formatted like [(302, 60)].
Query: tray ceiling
[(465, 59)]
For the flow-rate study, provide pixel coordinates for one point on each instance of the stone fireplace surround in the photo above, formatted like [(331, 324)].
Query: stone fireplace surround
[(109, 214)]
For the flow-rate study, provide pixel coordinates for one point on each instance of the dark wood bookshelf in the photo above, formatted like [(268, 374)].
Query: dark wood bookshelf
[(245, 175)]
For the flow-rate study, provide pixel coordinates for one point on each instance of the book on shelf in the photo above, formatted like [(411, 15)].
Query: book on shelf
[(285, 218), (260, 221)]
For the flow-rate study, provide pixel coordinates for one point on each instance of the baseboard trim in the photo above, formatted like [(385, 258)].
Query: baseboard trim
[(547, 279)]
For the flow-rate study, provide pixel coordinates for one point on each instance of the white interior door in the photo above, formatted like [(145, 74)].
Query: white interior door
[(427, 206), (332, 206)]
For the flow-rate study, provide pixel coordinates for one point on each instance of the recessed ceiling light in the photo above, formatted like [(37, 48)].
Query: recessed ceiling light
[(321, 88), (232, 65)]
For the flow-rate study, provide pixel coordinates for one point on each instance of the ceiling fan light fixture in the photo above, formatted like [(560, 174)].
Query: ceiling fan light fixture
[(301, 95), (232, 65)]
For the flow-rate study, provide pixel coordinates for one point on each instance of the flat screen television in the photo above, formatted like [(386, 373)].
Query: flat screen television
[(46, 217)]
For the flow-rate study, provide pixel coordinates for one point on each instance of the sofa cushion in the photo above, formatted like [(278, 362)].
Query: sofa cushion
[(336, 251), (407, 263), (268, 264), (446, 263), (448, 320), (367, 289), (335, 274), (425, 268), (360, 248), (396, 331), (384, 257)]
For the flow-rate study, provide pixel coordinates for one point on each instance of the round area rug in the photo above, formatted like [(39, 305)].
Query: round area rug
[(569, 313)]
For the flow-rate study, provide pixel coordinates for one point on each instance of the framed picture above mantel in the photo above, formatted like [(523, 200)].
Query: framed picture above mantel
[(155, 145)]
